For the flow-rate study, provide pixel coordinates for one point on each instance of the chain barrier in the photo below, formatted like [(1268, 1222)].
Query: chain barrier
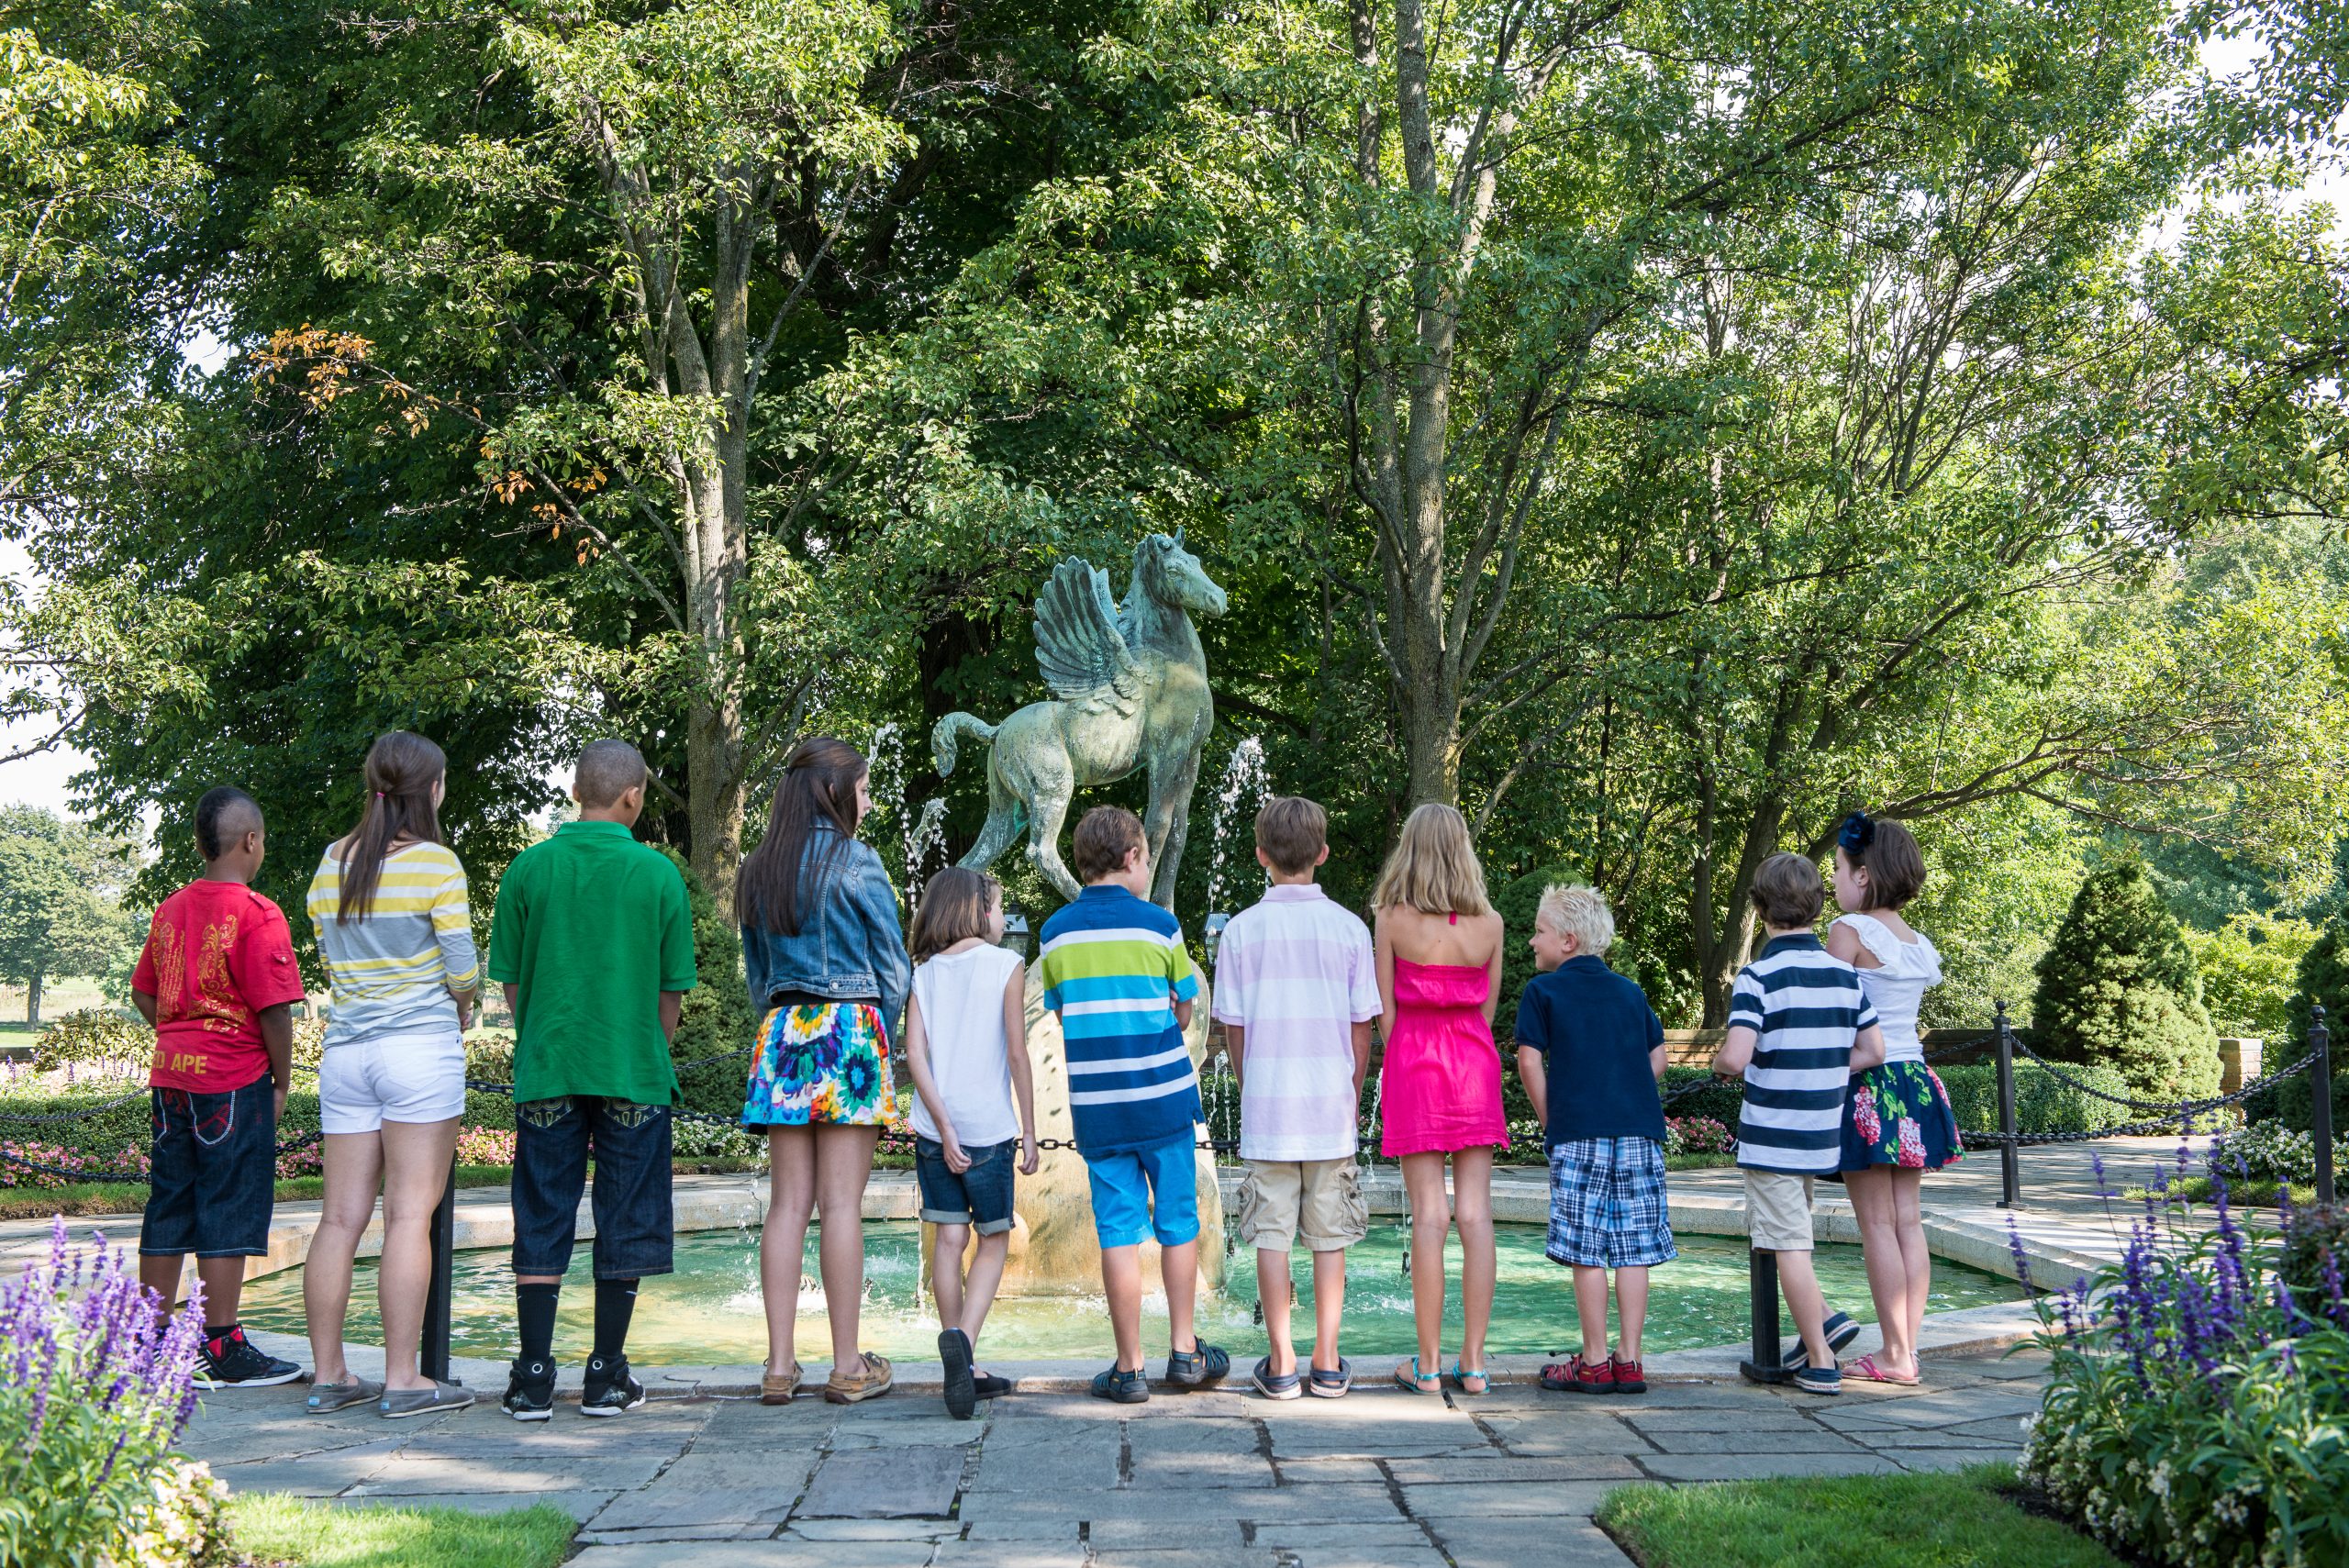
[(2184, 1111), (2182, 1108)]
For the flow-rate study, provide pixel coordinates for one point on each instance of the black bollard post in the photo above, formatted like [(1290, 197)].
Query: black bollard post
[(432, 1349), (1764, 1365), (2009, 1159), (2320, 1100)]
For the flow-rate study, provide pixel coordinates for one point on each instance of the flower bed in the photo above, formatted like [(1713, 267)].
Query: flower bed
[(93, 1394), (2197, 1414)]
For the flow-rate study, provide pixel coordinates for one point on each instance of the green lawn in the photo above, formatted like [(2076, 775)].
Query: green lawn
[(1962, 1520), (274, 1529)]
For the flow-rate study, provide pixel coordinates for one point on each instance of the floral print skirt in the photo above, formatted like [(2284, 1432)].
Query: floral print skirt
[(824, 1065), (1899, 1115)]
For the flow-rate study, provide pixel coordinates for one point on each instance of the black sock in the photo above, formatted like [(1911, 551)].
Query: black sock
[(534, 1304), (615, 1304), (222, 1333)]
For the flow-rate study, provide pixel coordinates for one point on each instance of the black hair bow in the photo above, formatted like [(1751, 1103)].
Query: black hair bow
[(1856, 834)]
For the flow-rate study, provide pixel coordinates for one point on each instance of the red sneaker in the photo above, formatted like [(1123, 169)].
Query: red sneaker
[(1629, 1378)]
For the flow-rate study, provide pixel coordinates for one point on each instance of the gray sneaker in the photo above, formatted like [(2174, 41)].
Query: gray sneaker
[(399, 1402)]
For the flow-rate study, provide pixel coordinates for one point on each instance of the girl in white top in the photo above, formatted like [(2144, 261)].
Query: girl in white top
[(967, 1044), (1897, 1122)]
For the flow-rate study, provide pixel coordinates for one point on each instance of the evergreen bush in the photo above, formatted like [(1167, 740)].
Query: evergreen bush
[(2118, 986), (2323, 977), (1516, 903)]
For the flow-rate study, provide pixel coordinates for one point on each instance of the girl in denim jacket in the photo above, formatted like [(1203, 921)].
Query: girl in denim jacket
[(828, 975)]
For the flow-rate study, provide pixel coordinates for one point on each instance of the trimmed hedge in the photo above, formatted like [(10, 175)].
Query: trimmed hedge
[(2042, 1104), (108, 1132)]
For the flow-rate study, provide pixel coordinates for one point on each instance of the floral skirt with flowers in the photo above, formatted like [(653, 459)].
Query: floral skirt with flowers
[(1899, 1115), (824, 1065)]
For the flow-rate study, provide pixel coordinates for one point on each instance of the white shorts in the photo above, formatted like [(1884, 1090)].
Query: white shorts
[(363, 1084)]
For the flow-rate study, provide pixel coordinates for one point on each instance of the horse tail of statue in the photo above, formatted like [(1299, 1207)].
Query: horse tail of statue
[(950, 729)]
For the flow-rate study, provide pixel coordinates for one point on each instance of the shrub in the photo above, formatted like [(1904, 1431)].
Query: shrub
[(701, 1140), (2323, 976), (716, 1018), (2195, 1405), (1515, 903), (101, 1138), (2316, 1255), (486, 1146), (2043, 1103), (2118, 986), (94, 1393), (2270, 1151), (1695, 1092), (1696, 1135)]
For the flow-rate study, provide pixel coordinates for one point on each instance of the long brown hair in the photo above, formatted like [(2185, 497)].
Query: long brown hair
[(776, 888), (401, 770), (953, 906)]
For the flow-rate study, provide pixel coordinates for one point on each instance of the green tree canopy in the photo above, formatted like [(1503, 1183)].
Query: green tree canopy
[(60, 887)]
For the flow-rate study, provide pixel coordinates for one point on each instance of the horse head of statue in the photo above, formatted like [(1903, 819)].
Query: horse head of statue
[(1173, 576)]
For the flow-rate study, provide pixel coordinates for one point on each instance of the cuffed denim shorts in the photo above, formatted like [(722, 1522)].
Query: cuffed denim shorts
[(635, 1225), (212, 1186), (979, 1197)]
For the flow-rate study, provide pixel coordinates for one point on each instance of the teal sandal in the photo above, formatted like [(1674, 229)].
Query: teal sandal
[(1464, 1377), (1409, 1377)]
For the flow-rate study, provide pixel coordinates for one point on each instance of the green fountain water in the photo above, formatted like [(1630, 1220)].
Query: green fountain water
[(709, 1312)]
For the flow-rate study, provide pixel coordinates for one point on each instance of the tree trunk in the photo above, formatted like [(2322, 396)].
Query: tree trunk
[(32, 999)]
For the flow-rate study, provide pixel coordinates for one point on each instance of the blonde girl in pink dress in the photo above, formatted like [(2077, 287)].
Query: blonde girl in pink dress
[(1439, 947)]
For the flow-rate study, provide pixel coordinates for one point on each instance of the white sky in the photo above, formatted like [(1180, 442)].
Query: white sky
[(45, 779)]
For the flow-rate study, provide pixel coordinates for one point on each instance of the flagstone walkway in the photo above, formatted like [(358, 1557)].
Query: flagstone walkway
[(1383, 1479)]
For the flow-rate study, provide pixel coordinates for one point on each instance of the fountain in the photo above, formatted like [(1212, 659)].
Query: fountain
[(1131, 684)]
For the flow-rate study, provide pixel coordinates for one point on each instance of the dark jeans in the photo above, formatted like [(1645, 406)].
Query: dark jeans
[(213, 1182), (635, 1225)]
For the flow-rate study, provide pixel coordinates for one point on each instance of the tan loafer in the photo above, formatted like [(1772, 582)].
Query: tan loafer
[(776, 1388), (874, 1378)]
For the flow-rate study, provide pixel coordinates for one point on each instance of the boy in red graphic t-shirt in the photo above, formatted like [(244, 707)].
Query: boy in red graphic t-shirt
[(217, 980)]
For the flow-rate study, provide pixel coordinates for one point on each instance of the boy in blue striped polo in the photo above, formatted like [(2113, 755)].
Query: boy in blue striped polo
[(1799, 1025), (1116, 971)]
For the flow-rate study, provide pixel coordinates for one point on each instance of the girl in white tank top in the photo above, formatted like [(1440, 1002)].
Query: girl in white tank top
[(1897, 1123)]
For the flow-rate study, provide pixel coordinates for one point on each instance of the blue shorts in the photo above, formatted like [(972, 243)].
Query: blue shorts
[(1147, 1192), (1606, 1203), (979, 1197), (212, 1177)]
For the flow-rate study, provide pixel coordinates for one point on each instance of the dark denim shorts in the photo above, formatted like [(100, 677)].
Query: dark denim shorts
[(214, 1178), (635, 1225), (979, 1197)]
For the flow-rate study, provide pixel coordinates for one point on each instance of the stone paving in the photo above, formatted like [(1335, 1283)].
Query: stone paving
[(1382, 1479)]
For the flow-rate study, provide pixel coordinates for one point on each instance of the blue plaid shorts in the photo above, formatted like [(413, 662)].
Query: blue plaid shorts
[(1606, 1203)]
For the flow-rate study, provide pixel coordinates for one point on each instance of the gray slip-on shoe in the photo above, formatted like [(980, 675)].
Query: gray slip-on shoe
[(399, 1402), (327, 1397)]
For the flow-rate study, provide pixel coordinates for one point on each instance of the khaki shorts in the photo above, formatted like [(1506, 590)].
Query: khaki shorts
[(1778, 1211), (1320, 1199)]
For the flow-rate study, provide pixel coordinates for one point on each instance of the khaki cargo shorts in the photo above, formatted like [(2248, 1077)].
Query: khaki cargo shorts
[(1778, 1211), (1319, 1199)]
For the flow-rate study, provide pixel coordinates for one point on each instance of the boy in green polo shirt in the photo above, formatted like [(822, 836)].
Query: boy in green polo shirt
[(594, 943)]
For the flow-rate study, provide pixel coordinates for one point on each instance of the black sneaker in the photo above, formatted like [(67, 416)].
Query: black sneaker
[(610, 1388), (529, 1391), (987, 1386), (231, 1360), (1123, 1386), (962, 1389), (1201, 1366)]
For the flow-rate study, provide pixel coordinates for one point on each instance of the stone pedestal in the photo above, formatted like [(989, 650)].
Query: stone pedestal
[(1053, 1244)]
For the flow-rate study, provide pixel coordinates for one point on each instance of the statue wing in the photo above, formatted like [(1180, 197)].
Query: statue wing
[(1079, 645)]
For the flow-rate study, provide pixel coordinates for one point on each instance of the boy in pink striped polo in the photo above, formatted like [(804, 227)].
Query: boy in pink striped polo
[(1296, 989)]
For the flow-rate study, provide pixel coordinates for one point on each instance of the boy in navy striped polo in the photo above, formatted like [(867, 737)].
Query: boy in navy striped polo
[(1116, 973), (1799, 1025)]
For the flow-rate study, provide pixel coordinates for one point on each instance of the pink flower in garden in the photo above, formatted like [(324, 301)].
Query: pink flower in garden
[(1912, 1145)]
